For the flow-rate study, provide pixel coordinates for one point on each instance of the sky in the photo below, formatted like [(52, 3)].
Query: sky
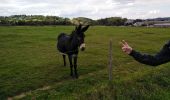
[(95, 9)]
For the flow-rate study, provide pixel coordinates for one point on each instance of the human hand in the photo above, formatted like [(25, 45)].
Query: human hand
[(125, 47)]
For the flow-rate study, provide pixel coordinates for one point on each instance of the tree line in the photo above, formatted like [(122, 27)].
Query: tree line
[(56, 20)]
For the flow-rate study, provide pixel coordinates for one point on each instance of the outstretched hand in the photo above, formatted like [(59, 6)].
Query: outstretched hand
[(125, 47)]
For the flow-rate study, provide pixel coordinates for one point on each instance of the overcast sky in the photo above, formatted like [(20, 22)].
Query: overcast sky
[(87, 8)]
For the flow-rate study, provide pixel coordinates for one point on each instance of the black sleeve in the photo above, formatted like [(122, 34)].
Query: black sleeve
[(163, 56)]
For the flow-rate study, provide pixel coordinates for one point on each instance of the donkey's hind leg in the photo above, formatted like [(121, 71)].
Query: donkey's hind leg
[(64, 58), (71, 65), (75, 66)]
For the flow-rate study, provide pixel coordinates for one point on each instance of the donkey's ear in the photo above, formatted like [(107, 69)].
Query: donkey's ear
[(85, 28), (78, 27)]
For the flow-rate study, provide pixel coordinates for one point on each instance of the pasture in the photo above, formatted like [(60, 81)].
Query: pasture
[(32, 68)]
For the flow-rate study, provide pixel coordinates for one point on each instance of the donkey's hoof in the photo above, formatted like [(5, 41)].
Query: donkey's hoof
[(71, 75), (76, 76)]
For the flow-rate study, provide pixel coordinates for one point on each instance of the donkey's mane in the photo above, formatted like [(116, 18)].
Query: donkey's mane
[(72, 34)]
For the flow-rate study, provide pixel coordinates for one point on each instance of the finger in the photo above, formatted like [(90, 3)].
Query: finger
[(122, 44), (124, 48), (125, 42)]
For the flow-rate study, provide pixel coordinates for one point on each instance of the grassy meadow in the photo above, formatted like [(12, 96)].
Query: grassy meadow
[(31, 67)]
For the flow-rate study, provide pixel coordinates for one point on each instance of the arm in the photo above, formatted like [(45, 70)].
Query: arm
[(158, 59), (161, 57)]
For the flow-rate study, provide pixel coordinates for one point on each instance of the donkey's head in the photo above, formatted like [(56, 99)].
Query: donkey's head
[(79, 30)]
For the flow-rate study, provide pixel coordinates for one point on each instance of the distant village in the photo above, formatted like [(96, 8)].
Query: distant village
[(157, 22)]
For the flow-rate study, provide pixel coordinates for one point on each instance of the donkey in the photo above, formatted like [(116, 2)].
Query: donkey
[(70, 44)]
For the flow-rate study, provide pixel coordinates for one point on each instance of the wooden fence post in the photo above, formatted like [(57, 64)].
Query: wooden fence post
[(110, 60)]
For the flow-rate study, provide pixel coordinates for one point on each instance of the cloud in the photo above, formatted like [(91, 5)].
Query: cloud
[(124, 1), (154, 12), (88, 8)]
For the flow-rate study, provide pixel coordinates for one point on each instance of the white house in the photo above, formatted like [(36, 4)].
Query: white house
[(162, 25)]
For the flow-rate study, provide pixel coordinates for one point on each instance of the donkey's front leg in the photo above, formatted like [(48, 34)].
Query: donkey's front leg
[(75, 66), (71, 65)]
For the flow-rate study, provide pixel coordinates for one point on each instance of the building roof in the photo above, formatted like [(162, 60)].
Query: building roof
[(162, 24)]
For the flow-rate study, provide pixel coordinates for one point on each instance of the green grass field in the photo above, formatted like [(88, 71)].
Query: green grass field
[(31, 68)]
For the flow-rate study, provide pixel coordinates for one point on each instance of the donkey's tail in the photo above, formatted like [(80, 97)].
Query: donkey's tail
[(62, 34)]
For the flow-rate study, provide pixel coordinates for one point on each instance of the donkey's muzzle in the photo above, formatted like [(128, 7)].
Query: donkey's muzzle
[(82, 47)]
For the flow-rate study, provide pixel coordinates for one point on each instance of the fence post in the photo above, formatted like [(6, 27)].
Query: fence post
[(110, 60)]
